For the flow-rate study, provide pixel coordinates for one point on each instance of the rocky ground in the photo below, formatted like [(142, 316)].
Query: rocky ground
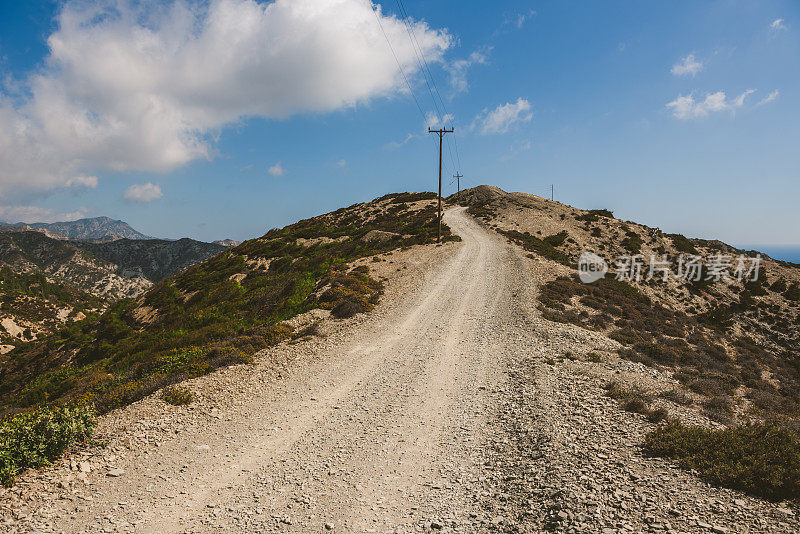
[(452, 407)]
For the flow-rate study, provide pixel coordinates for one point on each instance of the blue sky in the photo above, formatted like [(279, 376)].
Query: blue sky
[(680, 115)]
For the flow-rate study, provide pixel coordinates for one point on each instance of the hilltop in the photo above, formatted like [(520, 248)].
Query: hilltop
[(217, 312), (732, 343), (97, 229)]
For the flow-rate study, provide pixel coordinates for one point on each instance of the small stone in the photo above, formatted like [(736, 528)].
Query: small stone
[(328, 526), (115, 472), (85, 467)]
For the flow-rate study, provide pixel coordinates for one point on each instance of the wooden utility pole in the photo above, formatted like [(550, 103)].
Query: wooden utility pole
[(458, 176), (441, 133), (552, 191)]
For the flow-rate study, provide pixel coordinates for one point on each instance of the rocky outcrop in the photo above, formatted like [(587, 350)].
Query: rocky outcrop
[(379, 236), (227, 242)]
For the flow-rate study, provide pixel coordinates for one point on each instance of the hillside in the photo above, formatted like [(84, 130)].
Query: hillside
[(733, 343), (153, 259), (48, 282), (218, 312), (97, 229)]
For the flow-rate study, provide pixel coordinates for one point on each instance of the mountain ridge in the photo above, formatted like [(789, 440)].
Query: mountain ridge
[(87, 229)]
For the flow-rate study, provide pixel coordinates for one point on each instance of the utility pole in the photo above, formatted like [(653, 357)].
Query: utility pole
[(441, 133), (458, 176), (552, 191)]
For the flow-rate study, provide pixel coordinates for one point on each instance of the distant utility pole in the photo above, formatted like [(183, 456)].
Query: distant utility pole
[(458, 177), (552, 191), (441, 133)]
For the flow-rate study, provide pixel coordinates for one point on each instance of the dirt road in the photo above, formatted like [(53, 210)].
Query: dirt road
[(378, 431)]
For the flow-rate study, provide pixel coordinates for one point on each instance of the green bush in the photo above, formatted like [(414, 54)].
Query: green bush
[(632, 242), (793, 293), (682, 244), (762, 459), (544, 247), (37, 438), (177, 395), (594, 215)]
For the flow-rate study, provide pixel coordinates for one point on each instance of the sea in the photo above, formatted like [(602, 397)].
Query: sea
[(778, 252)]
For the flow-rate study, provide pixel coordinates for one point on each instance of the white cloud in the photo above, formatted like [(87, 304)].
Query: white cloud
[(687, 66), (777, 25), (342, 163), (398, 144), (769, 98), (686, 107), (522, 17), (32, 214), (458, 69), (133, 85), (143, 192), (277, 170), (739, 100), (504, 117), (82, 180), (518, 19)]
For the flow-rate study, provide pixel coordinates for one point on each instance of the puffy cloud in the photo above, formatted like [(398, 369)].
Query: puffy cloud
[(277, 170), (458, 70), (687, 66), (777, 25), (504, 117), (134, 85), (686, 107), (142, 193), (769, 98)]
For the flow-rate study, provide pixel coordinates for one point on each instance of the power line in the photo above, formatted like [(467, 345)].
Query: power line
[(419, 55), (428, 75), (399, 66)]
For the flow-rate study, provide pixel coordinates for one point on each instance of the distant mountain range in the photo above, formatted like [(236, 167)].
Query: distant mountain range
[(97, 229), (47, 280)]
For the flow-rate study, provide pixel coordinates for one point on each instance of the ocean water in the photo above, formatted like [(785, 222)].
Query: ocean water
[(779, 252)]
